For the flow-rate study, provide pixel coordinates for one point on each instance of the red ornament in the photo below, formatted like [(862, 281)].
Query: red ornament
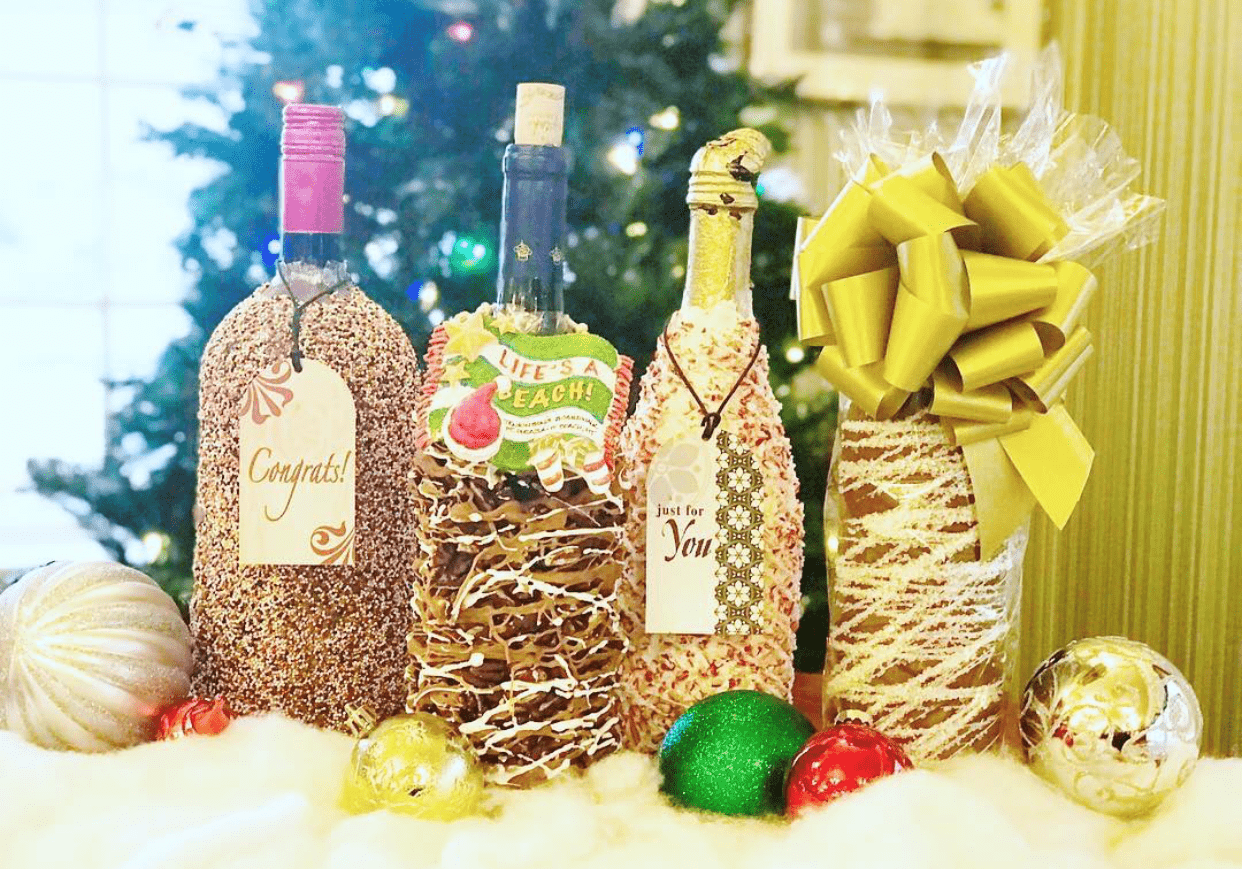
[(475, 424), (194, 717), (837, 760)]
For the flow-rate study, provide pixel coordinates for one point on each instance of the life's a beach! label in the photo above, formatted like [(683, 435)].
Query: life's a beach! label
[(705, 568), (298, 467), (551, 403)]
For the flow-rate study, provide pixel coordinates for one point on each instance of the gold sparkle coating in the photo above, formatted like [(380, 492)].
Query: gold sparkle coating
[(307, 640)]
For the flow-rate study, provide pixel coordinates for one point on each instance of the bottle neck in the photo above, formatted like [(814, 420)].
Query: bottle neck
[(718, 266), (311, 248), (532, 235), (312, 215)]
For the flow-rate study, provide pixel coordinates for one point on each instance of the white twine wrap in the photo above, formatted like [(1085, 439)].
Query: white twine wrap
[(920, 642)]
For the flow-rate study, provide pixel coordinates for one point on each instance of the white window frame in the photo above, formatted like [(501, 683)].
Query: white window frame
[(843, 77)]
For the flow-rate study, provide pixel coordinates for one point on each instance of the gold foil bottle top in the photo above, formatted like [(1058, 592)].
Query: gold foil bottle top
[(722, 204), (723, 172), (540, 117)]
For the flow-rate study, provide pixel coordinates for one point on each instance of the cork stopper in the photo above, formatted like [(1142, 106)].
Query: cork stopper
[(540, 118)]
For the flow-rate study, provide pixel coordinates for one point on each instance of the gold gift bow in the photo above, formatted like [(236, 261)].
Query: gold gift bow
[(904, 284)]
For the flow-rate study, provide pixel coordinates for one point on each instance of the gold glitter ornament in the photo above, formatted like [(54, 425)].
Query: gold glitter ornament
[(417, 765), (1113, 724)]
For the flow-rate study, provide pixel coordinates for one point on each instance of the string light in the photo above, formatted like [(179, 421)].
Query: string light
[(425, 293), (468, 255), (393, 105), (154, 544), (270, 252), (636, 230), (428, 295), (381, 80), (624, 156), (669, 119), (637, 137), (289, 91), (795, 353), (460, 31)]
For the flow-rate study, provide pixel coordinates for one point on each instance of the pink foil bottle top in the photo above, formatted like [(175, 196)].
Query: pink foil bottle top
[(312, 169)]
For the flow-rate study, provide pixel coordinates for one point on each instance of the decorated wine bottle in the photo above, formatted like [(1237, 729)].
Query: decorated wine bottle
[(710, 588), (516, 632), (304, 524)]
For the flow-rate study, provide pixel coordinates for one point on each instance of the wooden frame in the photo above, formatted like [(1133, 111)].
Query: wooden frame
[(841, 76)]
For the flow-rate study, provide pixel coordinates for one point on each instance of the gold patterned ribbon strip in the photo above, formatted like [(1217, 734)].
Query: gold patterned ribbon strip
[(906, 286)]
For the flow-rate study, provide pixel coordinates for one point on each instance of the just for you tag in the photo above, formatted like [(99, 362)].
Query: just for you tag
[(549, 403), (298, 467), (705, 568)]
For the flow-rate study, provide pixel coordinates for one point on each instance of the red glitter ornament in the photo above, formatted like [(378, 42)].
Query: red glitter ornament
[(194, 717), (837, 760)]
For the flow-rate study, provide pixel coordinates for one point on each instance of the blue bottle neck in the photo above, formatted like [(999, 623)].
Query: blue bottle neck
[(532, 234)]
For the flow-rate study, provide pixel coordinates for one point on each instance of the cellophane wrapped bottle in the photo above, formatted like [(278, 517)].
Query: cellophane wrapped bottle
[(945, 287), (304, 523), (923, 633), (714, 534), (516, 636)]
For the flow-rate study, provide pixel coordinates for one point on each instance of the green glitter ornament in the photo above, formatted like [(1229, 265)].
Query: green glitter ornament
[(730, 753)]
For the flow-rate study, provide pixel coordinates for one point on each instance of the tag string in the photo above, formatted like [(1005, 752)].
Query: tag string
[(711, 419), (299, 308)]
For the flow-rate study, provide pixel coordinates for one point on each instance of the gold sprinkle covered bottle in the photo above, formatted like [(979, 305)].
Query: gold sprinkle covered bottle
[(710, 589), (304, 520), (516, 634)]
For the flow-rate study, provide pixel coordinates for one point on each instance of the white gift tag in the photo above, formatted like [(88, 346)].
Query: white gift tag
[(298, 465), (704, 539)]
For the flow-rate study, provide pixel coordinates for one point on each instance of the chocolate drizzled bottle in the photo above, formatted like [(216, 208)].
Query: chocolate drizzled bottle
[(304, 526), (516, 633), (714, 534)]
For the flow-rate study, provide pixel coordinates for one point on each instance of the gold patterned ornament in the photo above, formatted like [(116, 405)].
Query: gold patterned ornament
[(413, 764), (522, 251), (1112, 724)]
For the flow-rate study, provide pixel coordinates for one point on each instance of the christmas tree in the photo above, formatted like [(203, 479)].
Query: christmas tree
[(428, 89)]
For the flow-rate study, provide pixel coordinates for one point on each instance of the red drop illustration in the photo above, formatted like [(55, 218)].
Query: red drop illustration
[(475, 423)]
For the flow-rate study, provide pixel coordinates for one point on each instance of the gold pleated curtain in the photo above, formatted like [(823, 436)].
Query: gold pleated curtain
[(1154, 551)]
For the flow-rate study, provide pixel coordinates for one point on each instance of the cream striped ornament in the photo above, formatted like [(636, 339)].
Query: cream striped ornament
[(90, 654)]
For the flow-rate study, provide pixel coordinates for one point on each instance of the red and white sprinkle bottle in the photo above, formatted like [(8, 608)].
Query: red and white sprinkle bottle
[(710, 588)]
